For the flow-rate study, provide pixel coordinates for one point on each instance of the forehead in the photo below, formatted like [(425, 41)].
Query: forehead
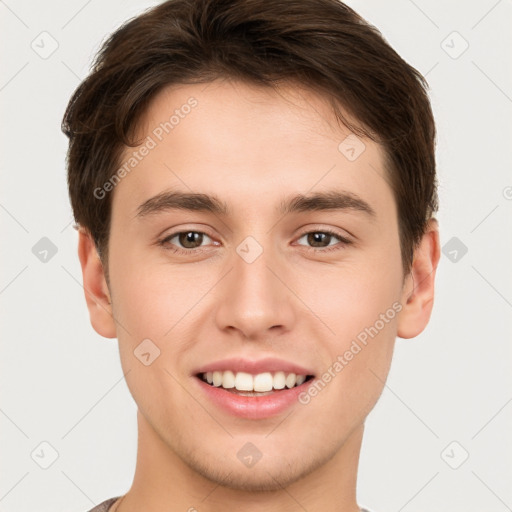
[(240, 142)]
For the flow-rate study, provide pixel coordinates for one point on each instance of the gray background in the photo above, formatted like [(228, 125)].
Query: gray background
[(449, 392)]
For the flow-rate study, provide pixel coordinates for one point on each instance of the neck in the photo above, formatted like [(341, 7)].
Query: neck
[(164, 482)]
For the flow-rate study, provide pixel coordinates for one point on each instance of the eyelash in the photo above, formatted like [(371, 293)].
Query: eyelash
[(170, 247)]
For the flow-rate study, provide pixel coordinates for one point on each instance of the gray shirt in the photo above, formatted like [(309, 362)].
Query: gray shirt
[(105, 505)]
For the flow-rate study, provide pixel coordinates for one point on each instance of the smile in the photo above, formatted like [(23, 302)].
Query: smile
[(253, 385), (237, 393)]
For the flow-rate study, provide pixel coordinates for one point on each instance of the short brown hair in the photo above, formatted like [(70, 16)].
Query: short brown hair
[(323, 44)]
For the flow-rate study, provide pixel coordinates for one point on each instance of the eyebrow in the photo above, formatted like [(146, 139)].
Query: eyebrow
[(197, 202)]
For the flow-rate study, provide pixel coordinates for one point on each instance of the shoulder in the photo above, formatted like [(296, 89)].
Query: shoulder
[(105, 505)]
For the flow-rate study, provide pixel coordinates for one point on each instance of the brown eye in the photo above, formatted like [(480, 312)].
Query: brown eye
[(190, 239), (183, 240), (319, 239), (324, 241)]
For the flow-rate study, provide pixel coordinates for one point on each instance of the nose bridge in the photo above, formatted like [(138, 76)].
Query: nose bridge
[(254, 300)]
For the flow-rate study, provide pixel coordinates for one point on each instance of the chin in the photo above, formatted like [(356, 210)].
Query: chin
[(250, 479), (269, 475)]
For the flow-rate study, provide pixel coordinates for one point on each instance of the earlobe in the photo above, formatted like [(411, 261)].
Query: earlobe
[(97, 294), (418, 291)]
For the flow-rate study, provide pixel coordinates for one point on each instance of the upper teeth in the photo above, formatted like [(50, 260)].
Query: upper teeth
[(243, 381)]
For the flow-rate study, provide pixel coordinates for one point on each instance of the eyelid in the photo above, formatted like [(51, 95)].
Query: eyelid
[(175, 230), (348, 237)]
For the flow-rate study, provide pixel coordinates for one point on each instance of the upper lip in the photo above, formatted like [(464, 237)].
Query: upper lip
[(268, 364)]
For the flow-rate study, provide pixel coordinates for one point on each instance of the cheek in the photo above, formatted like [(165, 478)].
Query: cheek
[(153, 306), (155, 297), (350, 298), (360, 306)]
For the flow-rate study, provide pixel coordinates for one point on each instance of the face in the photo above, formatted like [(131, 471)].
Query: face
[(290, 257)]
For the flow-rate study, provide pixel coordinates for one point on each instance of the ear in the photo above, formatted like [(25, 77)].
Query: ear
[(418, 291), (97, 294)]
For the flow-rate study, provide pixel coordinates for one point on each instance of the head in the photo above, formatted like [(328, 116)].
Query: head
[(258, 113)]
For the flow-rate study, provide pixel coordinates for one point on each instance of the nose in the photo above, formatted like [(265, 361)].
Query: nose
[(255, 301)]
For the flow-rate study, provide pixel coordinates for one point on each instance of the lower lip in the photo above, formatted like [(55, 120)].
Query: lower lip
[(253, 407)]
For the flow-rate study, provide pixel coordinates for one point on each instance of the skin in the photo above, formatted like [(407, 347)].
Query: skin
[(253, 147)]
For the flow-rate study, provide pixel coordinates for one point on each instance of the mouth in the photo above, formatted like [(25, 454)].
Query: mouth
[(253, 385), (253, 389)]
